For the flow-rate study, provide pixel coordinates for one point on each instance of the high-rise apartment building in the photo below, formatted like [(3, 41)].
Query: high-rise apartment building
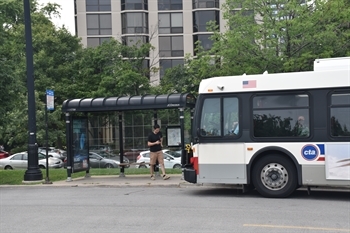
[(172, 26)]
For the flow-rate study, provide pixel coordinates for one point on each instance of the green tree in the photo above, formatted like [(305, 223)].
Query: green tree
[(280, 35), (274, 36), (54, 53), (111, 69), (10, 16)]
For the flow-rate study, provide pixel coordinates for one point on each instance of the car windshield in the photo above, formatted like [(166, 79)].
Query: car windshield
[(41, 156)]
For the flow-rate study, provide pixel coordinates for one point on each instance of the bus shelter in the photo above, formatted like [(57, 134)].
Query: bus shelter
[(77, 136)]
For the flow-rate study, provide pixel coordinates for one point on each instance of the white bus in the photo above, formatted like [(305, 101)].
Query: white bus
[(275, 132)]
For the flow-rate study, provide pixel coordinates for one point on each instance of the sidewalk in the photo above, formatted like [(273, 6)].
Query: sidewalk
[(129, 180)]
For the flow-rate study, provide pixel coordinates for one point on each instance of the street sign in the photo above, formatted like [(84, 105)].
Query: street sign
[(50, 99)]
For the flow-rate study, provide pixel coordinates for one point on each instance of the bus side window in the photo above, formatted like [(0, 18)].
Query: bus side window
[(260, 102), (231, 116)]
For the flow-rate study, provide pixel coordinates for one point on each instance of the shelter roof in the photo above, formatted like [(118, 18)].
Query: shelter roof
[(128, 103)]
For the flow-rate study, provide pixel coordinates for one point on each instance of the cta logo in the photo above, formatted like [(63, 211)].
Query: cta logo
[(311, 152)]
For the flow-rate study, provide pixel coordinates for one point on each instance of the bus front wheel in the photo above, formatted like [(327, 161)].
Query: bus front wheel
[(274, 176)]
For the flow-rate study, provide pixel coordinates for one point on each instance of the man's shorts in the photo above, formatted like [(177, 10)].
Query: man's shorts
[(154, 156)]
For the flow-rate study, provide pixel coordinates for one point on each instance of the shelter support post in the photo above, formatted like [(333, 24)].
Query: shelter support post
[(156, 166), (182, 125), (192, 114), (69, 146), (87, 173), (182, 132), (121, 144)]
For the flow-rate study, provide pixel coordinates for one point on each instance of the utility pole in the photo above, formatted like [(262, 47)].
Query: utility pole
[(33, 173)]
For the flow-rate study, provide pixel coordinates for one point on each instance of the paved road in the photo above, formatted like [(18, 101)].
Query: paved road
[(98, 208)]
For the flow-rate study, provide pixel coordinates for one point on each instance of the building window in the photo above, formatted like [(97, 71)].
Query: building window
[(137, 41), (205, 4), (134, 5), (171, 46), (165, 5), (98, 5), (168, 63), (248, 15), (201, 19), (134, 23), (99, 24), (96, 41), (146, 68), (281, 115), (340, 115), (204, 40), (170, 23)]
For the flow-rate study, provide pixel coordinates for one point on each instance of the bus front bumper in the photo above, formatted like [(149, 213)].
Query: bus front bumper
[(190, 175)]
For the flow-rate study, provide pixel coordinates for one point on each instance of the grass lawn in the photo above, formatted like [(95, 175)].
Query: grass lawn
[(15, 177)]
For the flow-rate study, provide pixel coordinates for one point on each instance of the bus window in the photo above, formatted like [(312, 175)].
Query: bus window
[(210, 120), (301, 127), (281, 116), (340, 115), (231, 121)]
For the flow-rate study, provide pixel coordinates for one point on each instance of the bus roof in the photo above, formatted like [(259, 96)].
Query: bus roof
[(278, 81), (336, 63)]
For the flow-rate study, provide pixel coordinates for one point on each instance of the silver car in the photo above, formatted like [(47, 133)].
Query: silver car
[(97, 161), (20, 161)]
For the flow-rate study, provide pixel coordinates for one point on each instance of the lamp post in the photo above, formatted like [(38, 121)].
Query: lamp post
[(33, 173)]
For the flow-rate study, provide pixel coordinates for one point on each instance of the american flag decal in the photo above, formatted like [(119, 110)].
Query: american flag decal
[(249, 84)]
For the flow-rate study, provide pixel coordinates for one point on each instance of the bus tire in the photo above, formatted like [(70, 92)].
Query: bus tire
[(274, 176)]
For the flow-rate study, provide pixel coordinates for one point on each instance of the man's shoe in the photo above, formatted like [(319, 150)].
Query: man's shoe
[(152, 177), (165, 177)]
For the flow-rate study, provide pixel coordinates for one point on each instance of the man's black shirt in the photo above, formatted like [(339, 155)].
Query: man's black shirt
[(153, 138)]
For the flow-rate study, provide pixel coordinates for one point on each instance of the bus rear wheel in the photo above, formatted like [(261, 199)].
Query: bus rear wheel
[(274, 176)]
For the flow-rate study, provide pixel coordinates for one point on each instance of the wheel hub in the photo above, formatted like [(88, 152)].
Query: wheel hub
[(274, 176)]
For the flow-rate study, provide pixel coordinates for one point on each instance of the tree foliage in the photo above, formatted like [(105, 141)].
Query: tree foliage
[(60, 64), (264, 35), (112, 69), (282, 36)]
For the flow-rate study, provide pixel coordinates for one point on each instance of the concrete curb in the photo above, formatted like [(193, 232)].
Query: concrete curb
[(110, 181)]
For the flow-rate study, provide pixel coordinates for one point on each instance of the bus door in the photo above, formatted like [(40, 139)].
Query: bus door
[(220, 156)]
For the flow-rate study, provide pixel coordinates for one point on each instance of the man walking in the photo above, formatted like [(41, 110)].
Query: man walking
[(155, 140)]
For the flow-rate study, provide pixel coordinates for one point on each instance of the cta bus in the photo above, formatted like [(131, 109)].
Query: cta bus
[(274, 132)]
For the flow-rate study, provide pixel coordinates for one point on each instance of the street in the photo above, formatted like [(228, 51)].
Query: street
[(168, 209)]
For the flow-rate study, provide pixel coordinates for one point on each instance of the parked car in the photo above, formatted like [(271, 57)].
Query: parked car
[(53, 152), (175, 153), (169, 161), (97, 161), (114, 157), (132, 154), (43, 148), (20, 161), (102, 160), (4, 154), (99, 148)]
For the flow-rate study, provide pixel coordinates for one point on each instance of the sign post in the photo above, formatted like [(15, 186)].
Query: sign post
[(49, 105)]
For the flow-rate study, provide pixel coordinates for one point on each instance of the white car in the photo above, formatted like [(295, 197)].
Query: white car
[(52, 152), (20, 161), (174, 153), (169, 161)]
